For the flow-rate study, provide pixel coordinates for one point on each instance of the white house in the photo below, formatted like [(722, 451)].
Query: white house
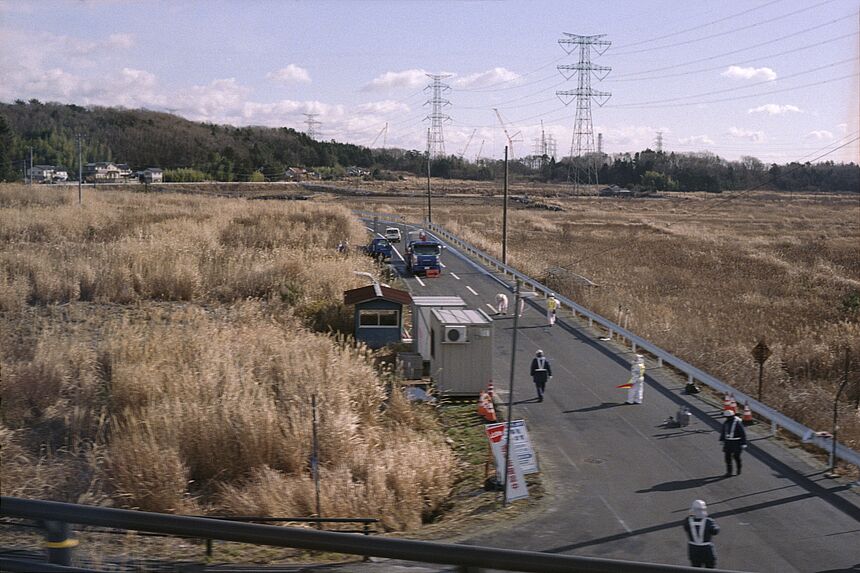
[(151, 175)]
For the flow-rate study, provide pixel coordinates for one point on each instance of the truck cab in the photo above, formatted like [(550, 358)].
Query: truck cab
[(423, 255)]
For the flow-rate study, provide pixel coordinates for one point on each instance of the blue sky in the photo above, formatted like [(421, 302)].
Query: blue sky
[(774, 79)]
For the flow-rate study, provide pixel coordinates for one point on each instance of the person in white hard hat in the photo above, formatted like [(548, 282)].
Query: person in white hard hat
[(541, 373), (501, 303), (700, 528), (734, 439), (637, 380)]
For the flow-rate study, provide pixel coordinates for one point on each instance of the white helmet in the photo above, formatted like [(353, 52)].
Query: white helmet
[(640, 359), (699, 509), (539, 353), (728, 413)]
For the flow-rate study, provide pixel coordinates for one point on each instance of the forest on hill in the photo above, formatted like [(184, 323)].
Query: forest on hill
[(143, 138)]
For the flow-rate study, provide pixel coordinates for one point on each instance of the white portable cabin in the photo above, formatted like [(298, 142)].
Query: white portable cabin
[(422, 306), (461, 351)]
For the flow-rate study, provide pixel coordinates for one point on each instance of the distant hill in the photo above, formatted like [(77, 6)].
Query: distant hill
[(143, 138)]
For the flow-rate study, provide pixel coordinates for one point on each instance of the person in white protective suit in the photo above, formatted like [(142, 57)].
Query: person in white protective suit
[(501, 303), (700, 528), (637, 380), (551, 309)]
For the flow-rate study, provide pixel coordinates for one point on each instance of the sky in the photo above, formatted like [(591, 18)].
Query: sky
[(774, 79)]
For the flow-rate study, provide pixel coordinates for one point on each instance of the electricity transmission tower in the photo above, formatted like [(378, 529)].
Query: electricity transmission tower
[(435, 137), (658, 142), (582, 143), (312, 124)]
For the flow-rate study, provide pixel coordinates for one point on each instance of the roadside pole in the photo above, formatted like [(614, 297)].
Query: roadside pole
[(510, 414), (505, 215)]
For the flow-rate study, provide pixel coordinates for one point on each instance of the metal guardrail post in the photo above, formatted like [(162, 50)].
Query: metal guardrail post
[(208, 548), (58, 542)]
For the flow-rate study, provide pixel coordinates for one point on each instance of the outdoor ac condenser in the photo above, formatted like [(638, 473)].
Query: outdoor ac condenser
[(455, 335)]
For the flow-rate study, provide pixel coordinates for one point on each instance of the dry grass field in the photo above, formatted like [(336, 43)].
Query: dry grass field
[(157, 352), (702, 276)]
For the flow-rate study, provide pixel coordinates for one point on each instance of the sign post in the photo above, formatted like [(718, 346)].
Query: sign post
[(514, 479), (761, 353)]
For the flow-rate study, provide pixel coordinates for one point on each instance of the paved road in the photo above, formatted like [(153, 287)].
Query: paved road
[(619, 483)]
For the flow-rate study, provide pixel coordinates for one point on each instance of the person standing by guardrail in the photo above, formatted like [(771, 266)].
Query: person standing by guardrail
[(700, 528), (541, 372), (734, 439), (551, 309), (637, 381)]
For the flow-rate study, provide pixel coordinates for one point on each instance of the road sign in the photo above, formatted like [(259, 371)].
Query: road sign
[(761, 352), (516, 481), (523, 449)]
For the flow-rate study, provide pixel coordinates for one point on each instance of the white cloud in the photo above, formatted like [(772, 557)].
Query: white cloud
[(696, 140), (406, 79), (842, 127), (292, 73), (123, 41), (747, 135), (219, 99), (739, 73), (820, 135), (774, 109), (382, 107), (483, 79)]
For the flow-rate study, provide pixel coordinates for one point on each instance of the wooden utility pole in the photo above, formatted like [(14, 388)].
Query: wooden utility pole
[(429, 212)]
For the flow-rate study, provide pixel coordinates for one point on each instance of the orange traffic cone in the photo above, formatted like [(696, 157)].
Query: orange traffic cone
[(482, 404), (734, 403), (747, 415), (490, 409), (727, 404), (490, 390)]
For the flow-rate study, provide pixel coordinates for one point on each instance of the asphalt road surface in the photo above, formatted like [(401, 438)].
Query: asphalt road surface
[(619, 483)]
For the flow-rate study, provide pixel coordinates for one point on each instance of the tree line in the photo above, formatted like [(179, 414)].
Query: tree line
[(194, 151)]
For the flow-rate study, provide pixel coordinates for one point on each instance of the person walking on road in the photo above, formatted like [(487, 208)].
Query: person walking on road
[(501, 303), (541, 373), (700, 528), (551, 309), (734, 439), (637, 381)]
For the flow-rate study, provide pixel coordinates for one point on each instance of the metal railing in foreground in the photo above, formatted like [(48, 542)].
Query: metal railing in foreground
[(777, 419), (467, 558)]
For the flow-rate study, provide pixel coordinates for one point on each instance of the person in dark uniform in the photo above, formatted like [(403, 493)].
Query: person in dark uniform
[(734, 439), (700, 528), (541, 372)]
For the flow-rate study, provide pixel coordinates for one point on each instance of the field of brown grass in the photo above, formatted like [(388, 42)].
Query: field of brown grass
[(702, 276), (158, 352)]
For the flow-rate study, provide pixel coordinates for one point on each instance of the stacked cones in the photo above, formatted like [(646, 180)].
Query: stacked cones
[(486, 409), (730, 404), (490, 390)]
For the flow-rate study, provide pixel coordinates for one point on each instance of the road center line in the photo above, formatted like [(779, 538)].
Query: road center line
[(491, 307), (455, 276), (471, 290), (417, 278), (609, 507)]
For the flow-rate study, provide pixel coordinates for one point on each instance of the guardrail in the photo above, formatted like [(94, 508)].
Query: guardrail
[(466, 557), (694, 374)]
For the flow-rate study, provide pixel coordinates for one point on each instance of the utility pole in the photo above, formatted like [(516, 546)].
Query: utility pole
[(435, 137), (30, 179), (582, 144), (505, 218), (312, 124), (429, 212), (80, 172)]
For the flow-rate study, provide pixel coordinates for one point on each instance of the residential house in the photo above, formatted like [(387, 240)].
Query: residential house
[(150, 175), (41, 173), (101, 172), (295, 174), (125, 172)]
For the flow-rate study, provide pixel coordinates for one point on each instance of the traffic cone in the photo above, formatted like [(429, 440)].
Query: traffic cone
[(747, 415), (727, 404), (490, 390), (482, 404), (490, 410), (734, 403)]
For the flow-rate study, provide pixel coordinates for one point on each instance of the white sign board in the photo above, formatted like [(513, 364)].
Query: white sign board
[(523, 447), (516, 481)]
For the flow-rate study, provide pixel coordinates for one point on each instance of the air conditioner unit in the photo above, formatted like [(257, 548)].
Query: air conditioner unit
[(455, 334)]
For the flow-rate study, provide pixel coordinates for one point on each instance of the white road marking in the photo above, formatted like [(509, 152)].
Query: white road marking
[(491, 307), (369, 229), (455, 276), (417, 278), (442, 265), (471, 290), (609, 507), (394, 249), (567, 457)]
